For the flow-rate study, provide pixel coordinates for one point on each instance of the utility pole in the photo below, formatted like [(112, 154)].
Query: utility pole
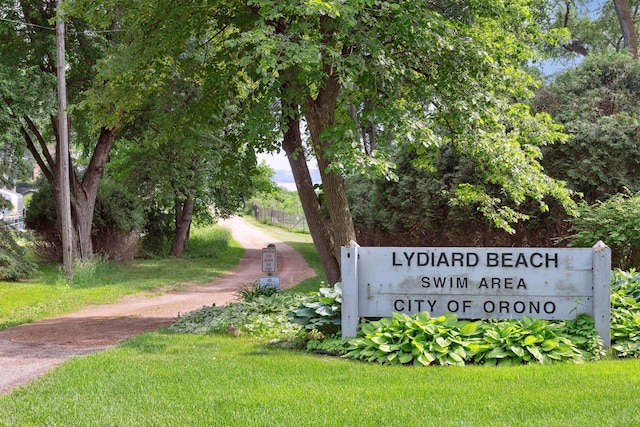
[(63, 153)]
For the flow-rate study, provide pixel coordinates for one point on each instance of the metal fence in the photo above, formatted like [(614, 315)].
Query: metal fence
[(287, 220), (12, 220)]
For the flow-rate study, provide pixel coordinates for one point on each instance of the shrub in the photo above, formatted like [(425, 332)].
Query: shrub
[(116, 220), (582, 332), (625, 314), (615, 222), (13, 265)]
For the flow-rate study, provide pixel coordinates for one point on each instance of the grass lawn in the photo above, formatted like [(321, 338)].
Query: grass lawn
[(184, 380), (161, 379)]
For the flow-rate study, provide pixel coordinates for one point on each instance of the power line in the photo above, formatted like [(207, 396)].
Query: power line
[(27, 24), (87, 32)]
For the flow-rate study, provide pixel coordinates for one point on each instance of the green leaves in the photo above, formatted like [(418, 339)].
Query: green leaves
[(417, 339), (320, 310), (613, 221), (625, 314), (445, 340)]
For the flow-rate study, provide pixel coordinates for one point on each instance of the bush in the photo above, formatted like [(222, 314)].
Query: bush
[(116, 221), (417, 208), (582, 332), (13, 265), (615, 222), (625, 314)]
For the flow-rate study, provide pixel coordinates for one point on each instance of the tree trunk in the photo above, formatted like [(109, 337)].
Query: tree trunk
[(627, 26), (318, 227), (83, 199), (320, 116), (183, 225)]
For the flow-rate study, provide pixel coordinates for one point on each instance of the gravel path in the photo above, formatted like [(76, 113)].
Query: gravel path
[(30, 350)]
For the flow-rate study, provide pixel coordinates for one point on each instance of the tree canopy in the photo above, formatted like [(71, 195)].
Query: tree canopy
[(414, 75)]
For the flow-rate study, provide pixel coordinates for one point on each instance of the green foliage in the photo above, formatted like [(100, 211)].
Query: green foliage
[(424, 340), (615, 222), (625, 314), (249, 293), (418, 340), (418, 206), (13, 264), (279, 198), (320, 310), (158, 230), (117, 217), (582, 332), (598, 102), (525, 340), (115, 209), (591, 27), (208, 242), (333, 345), (262, 316)]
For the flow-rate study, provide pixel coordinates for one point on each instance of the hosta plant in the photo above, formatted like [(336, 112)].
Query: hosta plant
[(582, 332), (525, 340), (419, 340), (320, 310), (445, 340)]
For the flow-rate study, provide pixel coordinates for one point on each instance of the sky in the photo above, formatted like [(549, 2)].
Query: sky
[(276, 161)]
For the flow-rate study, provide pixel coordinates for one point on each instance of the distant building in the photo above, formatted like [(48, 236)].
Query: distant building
[(16, 199), (13, 216)]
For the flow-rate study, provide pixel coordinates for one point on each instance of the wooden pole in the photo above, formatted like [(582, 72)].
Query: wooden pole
[(63, 153)]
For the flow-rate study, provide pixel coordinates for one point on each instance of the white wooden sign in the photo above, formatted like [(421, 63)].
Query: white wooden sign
[(476, 283), (269, 260)]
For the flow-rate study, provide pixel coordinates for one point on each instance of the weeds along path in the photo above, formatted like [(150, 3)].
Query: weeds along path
[(30, 350)]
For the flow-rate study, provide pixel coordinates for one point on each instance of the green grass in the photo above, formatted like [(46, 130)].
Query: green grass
[(211, 253), (184, 380)]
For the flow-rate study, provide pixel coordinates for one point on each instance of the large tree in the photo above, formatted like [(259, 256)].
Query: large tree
[(28, 73), (418, 73)]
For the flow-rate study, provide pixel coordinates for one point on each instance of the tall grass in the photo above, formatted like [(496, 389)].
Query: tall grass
[(211, 253), (159, 379)]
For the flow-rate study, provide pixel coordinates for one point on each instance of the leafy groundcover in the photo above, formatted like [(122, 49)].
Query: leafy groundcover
[(311, 322)]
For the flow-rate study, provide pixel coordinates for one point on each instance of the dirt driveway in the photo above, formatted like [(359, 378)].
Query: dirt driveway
[(30, 350)]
